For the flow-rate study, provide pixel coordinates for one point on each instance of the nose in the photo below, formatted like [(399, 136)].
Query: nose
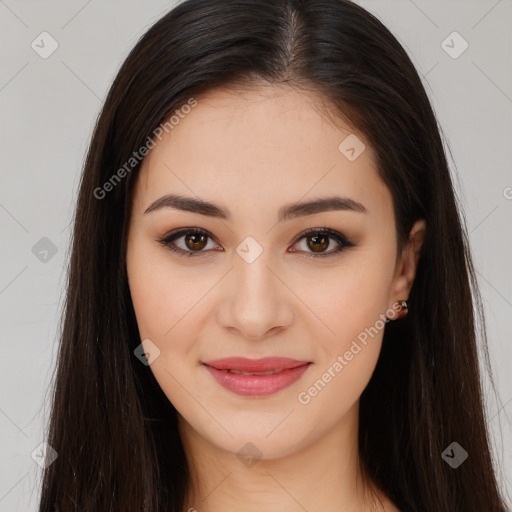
[(258, 304)]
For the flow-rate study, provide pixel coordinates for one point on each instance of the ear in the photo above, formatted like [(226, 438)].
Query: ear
[(408, 264)]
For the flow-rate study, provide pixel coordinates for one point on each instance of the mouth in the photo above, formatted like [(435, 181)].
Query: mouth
[(271, 372), (261, 377), (255, 366)]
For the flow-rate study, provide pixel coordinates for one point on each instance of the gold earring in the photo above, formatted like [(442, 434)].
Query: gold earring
[(404, 309)]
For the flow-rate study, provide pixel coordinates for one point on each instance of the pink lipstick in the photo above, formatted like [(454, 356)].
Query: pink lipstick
[(256, 377)]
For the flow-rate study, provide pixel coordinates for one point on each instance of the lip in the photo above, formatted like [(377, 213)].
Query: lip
[(264, 364), (291, 370)]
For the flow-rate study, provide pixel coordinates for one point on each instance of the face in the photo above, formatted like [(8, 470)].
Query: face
[(247, 279)]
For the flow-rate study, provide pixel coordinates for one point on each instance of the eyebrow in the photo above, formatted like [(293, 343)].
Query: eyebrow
[(289, 211)]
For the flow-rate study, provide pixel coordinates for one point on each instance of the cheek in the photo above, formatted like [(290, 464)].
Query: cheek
[(166, 300), (348, 299), (162, 292), (351, 302), (346, 360)]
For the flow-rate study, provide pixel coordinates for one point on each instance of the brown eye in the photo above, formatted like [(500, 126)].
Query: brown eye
[(196, 241), (189, 242), (318, 243)]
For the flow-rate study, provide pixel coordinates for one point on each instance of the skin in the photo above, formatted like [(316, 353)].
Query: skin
[(252, 152)]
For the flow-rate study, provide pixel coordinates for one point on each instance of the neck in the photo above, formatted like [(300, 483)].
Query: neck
[(321, 474)]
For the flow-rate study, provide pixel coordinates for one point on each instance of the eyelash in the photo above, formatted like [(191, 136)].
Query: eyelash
[(343, 242)]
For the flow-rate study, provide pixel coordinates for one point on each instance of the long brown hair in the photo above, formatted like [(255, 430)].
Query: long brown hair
[(113, 428)]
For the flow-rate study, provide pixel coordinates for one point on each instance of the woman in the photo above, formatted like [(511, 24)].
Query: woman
[(270, 290)]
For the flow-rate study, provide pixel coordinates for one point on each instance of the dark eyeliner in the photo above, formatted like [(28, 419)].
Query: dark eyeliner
[(335, 235), (166, 241), (342, 240)]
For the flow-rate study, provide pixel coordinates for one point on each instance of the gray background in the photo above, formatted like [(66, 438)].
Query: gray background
[(48, 108)]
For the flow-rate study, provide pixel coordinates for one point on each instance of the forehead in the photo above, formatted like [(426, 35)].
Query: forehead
[(259, 148)]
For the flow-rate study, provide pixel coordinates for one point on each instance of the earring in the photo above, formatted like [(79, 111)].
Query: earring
[(404, 309)]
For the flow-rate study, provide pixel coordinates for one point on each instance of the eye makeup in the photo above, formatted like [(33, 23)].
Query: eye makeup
[(313, 233)]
